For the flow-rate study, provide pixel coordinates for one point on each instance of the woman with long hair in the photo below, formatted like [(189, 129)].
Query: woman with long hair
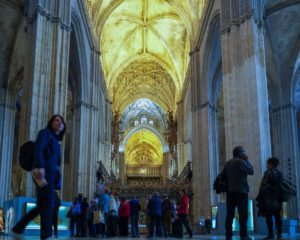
[(45, 170)]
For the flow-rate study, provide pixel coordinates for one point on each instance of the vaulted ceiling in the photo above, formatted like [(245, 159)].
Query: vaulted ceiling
[(144, 149), (145, 33)]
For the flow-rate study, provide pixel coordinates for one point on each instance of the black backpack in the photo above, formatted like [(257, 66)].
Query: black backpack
[(220, 183), (26, 156)]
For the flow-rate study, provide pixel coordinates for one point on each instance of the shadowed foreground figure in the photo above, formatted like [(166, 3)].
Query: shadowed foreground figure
[(45, 171), (236, 171)]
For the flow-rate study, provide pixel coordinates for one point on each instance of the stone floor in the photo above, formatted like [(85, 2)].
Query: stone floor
[(207, 237)]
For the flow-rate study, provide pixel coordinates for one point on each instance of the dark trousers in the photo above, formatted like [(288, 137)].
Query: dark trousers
[(135, 226), (167, 221), (239, 200), (123, 226), (183, 220), (155, 221), (55, 219), (72, 225), (112, 225), (278, 222), (44, 207), (78, 223)]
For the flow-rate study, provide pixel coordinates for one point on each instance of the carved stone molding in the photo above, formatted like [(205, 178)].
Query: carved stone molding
[(283, 107), (87, 105), (204, 105), (235, 12), (53, 19)]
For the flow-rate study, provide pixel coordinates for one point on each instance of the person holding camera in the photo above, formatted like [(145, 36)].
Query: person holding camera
[(236, 171)]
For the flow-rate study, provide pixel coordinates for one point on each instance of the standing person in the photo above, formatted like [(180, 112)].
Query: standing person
[(45, 167), (135, 208), (167, 216), (112, 223), (269, 197), (236, 171), (71, 215), (124, 213), (183, 213), (104, 204), (147, 215), (154, 208), (57, 204), (84, 216), (77, 212)]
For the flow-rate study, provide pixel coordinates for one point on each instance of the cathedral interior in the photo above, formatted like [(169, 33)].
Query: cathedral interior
[(155, 93)]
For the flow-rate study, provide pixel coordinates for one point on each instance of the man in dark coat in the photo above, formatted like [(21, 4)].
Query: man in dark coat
[(269, 197), (155, 212), (135, 208), (236, 171)]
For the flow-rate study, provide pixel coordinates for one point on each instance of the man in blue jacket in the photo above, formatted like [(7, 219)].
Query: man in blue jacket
[(135, 208), (155, 212)]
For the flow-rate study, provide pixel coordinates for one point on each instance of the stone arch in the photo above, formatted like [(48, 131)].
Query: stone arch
[(77, 92), (148, 127), (12, 99)]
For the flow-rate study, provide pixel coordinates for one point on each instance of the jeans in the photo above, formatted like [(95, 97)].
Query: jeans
[(239, 200), (183, 220), (278, 222), (44, 207), (135, 226)]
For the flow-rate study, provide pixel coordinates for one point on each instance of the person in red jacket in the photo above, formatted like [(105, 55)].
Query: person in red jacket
[(124, 214), (183, 212)]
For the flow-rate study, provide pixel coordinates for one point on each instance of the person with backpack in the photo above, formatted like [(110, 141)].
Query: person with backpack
[(45, 168), (271, 196), (236, 171)]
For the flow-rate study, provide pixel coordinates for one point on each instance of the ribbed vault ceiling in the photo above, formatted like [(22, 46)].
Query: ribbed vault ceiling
[(144, 149), (144, 32)]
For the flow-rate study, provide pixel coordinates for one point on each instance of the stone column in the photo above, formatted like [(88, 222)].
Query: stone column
[(200, 141), (180, 136), (165, 167), (286, 148), (40, 68), (7, 125), (245, 86), (122, 165)]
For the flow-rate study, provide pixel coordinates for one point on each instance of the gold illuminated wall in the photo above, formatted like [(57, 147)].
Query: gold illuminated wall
[(144, 149)]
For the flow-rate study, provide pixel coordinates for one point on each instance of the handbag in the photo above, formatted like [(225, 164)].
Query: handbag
[(220, 183), (97, 219)]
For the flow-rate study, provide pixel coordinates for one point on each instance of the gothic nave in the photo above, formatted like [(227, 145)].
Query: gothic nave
[(155, 94)]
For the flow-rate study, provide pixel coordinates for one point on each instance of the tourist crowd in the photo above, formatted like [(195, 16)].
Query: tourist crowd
[(108, 215)]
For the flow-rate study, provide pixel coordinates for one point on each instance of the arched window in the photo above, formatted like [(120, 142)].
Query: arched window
[(144, 119)]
